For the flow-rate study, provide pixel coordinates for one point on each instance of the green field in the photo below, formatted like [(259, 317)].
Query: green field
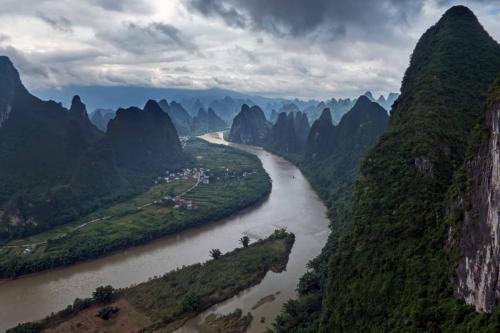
[(166, 302), (138, 220)]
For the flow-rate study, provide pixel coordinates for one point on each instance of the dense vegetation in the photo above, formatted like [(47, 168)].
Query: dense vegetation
[(392, 270), (166, 302), (55, 166), (329, 156), (331, 161), (135, 220)]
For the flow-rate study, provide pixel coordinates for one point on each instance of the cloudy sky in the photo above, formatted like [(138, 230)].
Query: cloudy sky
[(289, 48)]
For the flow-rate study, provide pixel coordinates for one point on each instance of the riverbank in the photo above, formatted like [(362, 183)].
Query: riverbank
[(237, 180), (166, 302), (292, 204)]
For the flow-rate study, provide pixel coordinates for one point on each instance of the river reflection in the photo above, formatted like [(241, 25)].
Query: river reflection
[(291, 204)]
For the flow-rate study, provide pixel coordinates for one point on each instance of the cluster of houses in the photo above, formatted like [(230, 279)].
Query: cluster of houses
[(197, 173), (177, 202), (202, 176)]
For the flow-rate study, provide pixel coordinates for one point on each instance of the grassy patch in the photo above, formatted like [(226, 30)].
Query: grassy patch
[(166, 302), (136, 220)]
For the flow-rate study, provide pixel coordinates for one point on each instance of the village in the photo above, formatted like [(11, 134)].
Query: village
[(202, 176)]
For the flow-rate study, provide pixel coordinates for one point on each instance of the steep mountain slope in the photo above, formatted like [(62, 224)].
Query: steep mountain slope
[(40, 145), (393, 271), (337, 109), (52, 169), (289, 107), (78, 112), (333, 153), (144, 140), (302, 127), (207, 121), (273, 116), (179, 116), (249, 126), (282, 137), (318, 143), (478, 281), (101, 117), (227, 108), (359, 127), (386, 103)]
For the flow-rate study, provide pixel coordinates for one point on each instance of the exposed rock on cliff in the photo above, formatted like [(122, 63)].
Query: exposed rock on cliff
[(478, 271)]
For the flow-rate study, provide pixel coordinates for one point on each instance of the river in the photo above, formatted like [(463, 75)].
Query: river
[(292, 204)]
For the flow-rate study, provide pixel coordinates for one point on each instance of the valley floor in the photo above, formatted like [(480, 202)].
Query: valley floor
[(230, 181), (166, 302)]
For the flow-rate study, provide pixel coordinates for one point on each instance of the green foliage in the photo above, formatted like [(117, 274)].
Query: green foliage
[(81, 304), (215, 253), (195, 288), (245, 240), (131, 226), (387, 266), (103, 294), (187, 290), (26, 328), (393, 271), (191, 302)]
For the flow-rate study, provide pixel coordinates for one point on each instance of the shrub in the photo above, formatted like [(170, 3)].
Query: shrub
[(215, 253), (103, 294)]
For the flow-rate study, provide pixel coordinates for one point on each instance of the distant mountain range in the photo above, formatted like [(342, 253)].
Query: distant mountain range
[(225, 103), (292, 136)]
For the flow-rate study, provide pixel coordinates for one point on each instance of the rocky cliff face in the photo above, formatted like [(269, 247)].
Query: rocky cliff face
[(478, 271), (249, 126), (9, 85)]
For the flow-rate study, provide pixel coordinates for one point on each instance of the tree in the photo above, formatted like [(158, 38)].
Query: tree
[(103, 294), (215, 253), (190, 302), (245, 241)]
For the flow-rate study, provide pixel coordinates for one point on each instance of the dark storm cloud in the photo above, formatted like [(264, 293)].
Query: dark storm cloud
[(27, 66), (300, 17), (59, 23)]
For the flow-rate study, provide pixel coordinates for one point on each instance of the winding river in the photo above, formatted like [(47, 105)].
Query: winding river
[(292, 204)]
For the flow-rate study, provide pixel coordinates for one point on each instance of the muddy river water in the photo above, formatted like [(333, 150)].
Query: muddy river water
[(291, 204)]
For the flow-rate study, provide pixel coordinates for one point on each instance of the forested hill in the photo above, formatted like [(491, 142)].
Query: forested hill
[(394, 270), (56, 165), (420, 236)]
